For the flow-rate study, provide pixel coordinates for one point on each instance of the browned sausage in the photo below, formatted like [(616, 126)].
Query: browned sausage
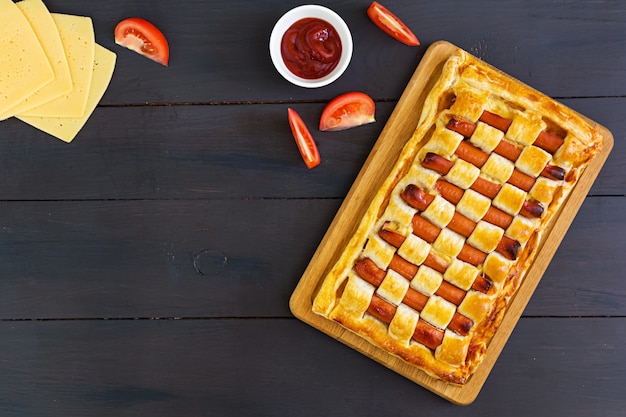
[(498, 217), (460, 324), (446, 290), (432, 262), (403, 267), (546, 140), (478, 158), (453, 194), (428, 335), (437, 163), (415, 299), (549, 142), (450, 292), (496, 121), (466, 128), (449, 191), (461, 126), (367, 269), (381, 309), (485, 187), (471, 154), (471, 255), (442, 165), (482, 284), (531, 209), (521, 180), (395, 239), (416, 197), (495, 216), (429, 232), (553, 172), (461, 224), (508, 247), (425, 229), (508, 150), (424, 332)]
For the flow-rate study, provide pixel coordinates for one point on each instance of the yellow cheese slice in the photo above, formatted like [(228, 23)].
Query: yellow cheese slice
[(44, 27), (78, 40), (66, 128), (24, 66)]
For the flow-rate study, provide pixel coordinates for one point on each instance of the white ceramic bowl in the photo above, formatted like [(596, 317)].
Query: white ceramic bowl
[(310, 11)]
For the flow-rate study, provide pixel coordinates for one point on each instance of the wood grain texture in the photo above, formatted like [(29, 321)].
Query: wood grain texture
[(116, 259), (215, 152), (222, 258), (187, 152), (285, 368), (195, 162), (219, 50)]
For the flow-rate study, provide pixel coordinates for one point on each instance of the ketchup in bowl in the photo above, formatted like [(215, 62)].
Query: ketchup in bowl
[(311, 48)]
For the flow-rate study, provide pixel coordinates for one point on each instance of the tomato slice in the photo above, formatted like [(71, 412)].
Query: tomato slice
[(306, 144), (391, 25), (143, 37), (348, 110)]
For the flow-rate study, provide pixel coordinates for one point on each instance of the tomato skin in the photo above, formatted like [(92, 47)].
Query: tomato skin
[(391, 24), (348, 110), (143, 37), (304, 139)]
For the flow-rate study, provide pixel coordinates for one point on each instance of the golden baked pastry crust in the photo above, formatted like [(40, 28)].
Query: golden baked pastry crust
[(428, 273)]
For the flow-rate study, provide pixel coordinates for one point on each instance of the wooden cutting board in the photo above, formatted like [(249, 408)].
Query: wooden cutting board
[(397, 131)]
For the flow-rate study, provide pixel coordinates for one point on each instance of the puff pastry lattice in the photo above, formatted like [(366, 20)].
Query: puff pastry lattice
[(448, 238)]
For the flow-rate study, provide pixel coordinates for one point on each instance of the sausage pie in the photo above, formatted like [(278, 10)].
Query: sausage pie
[(447, 240)]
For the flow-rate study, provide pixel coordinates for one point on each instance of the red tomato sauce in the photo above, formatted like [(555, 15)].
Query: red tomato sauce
[(311, 48)]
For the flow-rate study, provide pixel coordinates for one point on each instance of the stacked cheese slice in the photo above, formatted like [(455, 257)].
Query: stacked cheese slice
[(52, 72)]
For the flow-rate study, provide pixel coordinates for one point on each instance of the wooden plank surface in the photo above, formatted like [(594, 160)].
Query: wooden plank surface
[(283, 367), (195, 162), (117, 259), (219, 49), (207, 152)]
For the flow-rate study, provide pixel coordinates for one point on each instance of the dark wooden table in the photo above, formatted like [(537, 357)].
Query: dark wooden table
[(146, 268)]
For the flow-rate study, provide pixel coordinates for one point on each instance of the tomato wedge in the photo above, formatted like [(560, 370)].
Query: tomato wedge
[(348, 110), (306, 144), (391, 25), (143, 37)]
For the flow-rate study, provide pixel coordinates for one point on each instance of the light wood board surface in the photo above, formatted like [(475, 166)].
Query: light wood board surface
[(397, 131)]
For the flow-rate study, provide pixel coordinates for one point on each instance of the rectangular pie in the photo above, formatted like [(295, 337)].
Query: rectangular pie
[(447, 240)]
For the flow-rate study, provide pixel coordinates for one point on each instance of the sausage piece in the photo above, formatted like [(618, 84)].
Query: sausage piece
[(403, 267), (446, 290), (428, 335), (548, 141), (449, 191), (425, 229), (461, 126), (496, 121), (531, 209), (367, 269), (521, 180), (424, 333), (471, 154), (417, 198), (553, 172)]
